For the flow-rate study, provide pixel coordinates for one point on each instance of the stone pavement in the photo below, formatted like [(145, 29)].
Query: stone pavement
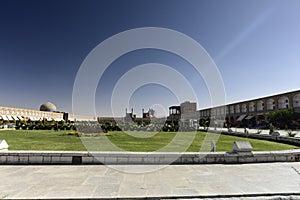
[(248, 181)]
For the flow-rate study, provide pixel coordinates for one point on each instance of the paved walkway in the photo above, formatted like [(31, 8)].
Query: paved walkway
[(184, 181)]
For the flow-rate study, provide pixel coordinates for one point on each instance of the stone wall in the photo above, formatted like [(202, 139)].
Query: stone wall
[(117, 158)]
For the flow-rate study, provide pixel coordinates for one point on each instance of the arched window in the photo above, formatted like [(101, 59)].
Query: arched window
[(251, 107), (222, 110), (237, 109), (231, 109), (244, 108), (283, 102), (218, 111), (213, 112), (270, 104), (260, 105), (296, 101)]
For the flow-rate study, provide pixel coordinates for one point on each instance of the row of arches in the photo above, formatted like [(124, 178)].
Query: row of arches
[(27, 113), (283, 103), (260, 106)]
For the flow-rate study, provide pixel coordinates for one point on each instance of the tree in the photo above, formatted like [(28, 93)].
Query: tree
[(281, 118), (204, 123)]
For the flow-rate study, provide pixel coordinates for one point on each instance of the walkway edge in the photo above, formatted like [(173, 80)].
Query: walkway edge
[(145, 158)]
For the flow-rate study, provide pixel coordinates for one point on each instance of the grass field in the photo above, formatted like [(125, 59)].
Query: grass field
[(41, 140), (136, 141)]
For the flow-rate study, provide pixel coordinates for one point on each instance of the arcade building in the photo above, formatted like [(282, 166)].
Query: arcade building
[(250, 113), (47, 111)]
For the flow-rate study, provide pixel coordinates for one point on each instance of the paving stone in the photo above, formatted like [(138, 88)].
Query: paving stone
[(100, 181)]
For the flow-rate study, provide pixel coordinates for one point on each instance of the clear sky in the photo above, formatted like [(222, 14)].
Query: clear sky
[(254, 43)]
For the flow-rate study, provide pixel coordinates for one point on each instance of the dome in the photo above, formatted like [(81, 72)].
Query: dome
[(48, 106)]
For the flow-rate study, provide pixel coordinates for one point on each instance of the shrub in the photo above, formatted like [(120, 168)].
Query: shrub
[(70, 133), (61, 127), (75, 133), (271, 129), (290, 133)]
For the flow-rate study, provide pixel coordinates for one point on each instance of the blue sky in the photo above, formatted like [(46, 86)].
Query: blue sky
[(255, 45)]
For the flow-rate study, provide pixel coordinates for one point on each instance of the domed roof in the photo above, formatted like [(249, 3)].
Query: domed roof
[(48, 106)]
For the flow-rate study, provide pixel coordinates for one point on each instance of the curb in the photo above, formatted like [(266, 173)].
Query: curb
[(144, 158)]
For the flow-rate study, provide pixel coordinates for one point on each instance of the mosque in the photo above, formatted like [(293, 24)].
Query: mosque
[(47, 111)]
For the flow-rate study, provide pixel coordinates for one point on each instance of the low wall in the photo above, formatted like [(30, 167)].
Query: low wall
[(281, 139), (116, 158)]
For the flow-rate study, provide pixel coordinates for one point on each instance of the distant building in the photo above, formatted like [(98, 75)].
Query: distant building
[(189, 111), (47, 112), (248, 113), (48, 107), (188, 107), (16, 114), (174, 113), (186, 114), (253, 112), (129, 117)]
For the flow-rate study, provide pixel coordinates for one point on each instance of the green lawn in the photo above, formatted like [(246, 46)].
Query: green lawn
[(119, 141), (41, 140)]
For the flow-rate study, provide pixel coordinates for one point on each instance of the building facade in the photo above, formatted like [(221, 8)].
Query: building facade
[(253, 112), (186, 114), (22, 114), (15, 114)]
